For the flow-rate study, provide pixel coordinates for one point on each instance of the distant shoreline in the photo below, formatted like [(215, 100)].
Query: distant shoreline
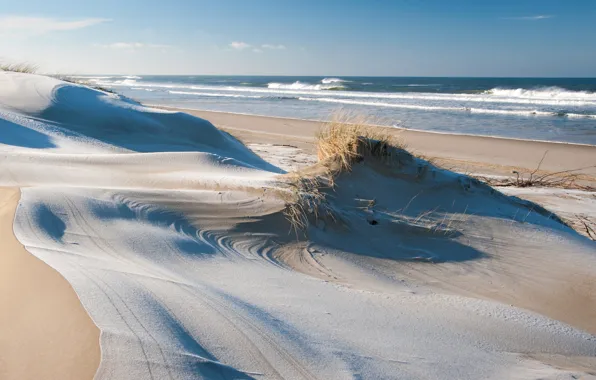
[(466, 153), (183, 109)]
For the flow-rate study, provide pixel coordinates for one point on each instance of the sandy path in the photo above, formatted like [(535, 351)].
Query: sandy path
[(461, 152), (45, 332)]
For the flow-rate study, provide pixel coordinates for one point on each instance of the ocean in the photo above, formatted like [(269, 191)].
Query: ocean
[(553, 109)]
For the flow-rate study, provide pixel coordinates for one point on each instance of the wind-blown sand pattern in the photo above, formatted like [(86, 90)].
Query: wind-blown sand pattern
[(172, 234)]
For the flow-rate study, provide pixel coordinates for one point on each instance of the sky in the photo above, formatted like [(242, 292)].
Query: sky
[(539, 38)]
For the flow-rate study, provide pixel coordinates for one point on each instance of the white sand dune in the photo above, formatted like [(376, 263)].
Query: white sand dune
[(172, 235)]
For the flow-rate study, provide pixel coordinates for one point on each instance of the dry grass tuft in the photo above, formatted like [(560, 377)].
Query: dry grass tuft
[(308, 201), (347, 140), (566, 179), (82, 82), (26, 68), (341, 143), (583, 224)]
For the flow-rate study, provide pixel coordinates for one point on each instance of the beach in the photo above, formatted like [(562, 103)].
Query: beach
[(464, 153), (140, 241), (46, 333)]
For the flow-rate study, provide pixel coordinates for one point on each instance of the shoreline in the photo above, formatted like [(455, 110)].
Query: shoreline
[(46, 333), (460, 152), (379, 125)]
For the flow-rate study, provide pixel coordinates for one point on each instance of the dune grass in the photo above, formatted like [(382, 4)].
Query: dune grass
[(341, 143), (70, 79), (26, 68), (307, 200), (348, 139)]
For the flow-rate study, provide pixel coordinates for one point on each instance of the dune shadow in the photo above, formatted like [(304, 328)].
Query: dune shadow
[(22, 136), (394, 241), (124, 123), (49, 222), (179, 345), (200, 359), (414, 212), (399, 247), (187, 241)]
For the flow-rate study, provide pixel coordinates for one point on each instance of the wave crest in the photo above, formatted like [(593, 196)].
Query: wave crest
[(304, 86), (333, 80), (555, 93), (526, 112)]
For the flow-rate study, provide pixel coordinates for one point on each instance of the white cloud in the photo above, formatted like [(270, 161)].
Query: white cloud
[(238, 45), (537, 17), (41, 25), (133, 46), (273, 47)]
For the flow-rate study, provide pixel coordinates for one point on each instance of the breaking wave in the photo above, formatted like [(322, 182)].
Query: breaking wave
[(305, 86), (555, 93), (300, 88), (213, 94), (333, 80), (220, 95), (421, 85), (539, 102), (453, 109)]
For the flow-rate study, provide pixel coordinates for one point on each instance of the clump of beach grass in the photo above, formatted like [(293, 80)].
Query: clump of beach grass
[(341, 143), (348, 139), (86, 83), (307, 200), (23, 67)]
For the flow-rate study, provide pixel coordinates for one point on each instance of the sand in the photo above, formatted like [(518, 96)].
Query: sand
[(173, 235), (560, 289), (44, 331), (463, 153)]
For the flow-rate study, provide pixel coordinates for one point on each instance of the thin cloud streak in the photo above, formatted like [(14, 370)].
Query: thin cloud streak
[(43, 25), (239, 45), (132, 46), (273, 47), (531, 18)]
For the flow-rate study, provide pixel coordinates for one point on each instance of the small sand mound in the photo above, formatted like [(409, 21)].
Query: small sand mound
[(368, 201)]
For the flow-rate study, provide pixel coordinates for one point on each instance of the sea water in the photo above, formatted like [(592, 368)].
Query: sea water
[(555, 109)]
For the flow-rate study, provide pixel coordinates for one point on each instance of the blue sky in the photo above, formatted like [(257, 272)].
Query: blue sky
[(306, 37)]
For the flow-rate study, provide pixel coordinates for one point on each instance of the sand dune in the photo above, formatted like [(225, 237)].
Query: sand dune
[(172, 234)]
